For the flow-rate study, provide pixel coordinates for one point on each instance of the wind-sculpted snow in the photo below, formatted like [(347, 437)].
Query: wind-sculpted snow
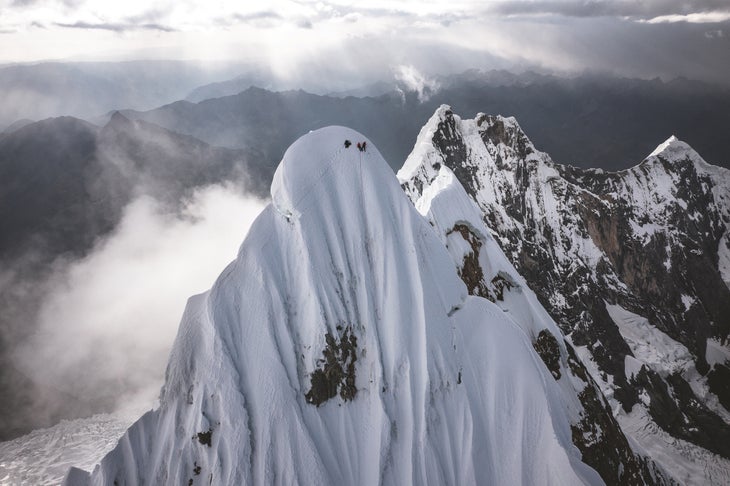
[(652, 239), (458, 221), (447, 388)]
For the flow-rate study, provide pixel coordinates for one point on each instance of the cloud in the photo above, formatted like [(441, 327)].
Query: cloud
[(694, 18), (107, 323), (310, 42), (116, 27), (261, 19), (263, 15), (415, 81), (47, 3), (681, 10)]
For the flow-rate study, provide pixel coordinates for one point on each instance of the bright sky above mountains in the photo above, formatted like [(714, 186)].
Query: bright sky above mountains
[(647, 38)]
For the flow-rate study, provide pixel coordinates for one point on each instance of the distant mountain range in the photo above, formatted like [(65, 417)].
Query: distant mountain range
[(616, 120), (587, 121), (64, 181), (89, 89)]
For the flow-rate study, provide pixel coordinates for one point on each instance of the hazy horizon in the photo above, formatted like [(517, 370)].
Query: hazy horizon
[(368, 40)]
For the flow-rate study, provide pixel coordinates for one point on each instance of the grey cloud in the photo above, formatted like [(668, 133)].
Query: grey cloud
[(115, 27), (635, 49), (266, 15), (263, 15), (149, 17), (334, 10), (637, 10), (603, 8), (28, 3), (559, 45), (265, 18)]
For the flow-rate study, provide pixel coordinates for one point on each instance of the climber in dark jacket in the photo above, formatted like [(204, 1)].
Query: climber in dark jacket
[(347, 144)]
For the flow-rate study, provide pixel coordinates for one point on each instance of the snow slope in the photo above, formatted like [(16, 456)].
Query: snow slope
[(42, 457), (341, 279), (488, 273)]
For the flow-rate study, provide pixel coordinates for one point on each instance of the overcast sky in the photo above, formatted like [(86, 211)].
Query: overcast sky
[(645, 38)]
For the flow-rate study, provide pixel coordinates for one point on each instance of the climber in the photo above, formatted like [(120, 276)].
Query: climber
[(364, 145), (359, 147), (347, 144)]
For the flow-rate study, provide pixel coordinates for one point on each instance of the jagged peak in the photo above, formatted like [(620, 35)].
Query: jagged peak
[(443, 114), (504, 130), (671, 147), (509, 121), (674, 151), (424, 142)]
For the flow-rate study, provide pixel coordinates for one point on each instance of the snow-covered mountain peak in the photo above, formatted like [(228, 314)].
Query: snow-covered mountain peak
[(442, 120), (504, 131), (319, 155), (675, 150), (670, 146), (441, 141), (675, 155), (342, 347)]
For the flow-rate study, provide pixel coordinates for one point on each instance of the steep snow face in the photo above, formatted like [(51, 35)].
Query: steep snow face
[(341, 347), (652, 240), (488, 273)]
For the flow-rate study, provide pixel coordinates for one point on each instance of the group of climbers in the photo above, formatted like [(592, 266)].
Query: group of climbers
[(361, 146)]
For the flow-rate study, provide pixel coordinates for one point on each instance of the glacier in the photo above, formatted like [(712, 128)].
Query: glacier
[(342, 347)]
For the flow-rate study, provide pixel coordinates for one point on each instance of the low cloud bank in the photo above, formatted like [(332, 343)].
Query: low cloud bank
[(107, 322)]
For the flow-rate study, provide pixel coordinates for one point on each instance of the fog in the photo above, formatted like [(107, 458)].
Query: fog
[(106, 323)]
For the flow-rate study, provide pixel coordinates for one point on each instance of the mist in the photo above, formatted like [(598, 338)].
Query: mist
[(106, 322), (417, 82)]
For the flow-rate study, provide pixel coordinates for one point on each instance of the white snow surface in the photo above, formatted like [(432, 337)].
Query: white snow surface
[(669, 145), (42, 457), (445, 204), (689, 464), (716, 352), (341, 245), (650, 345), (723, 254)]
